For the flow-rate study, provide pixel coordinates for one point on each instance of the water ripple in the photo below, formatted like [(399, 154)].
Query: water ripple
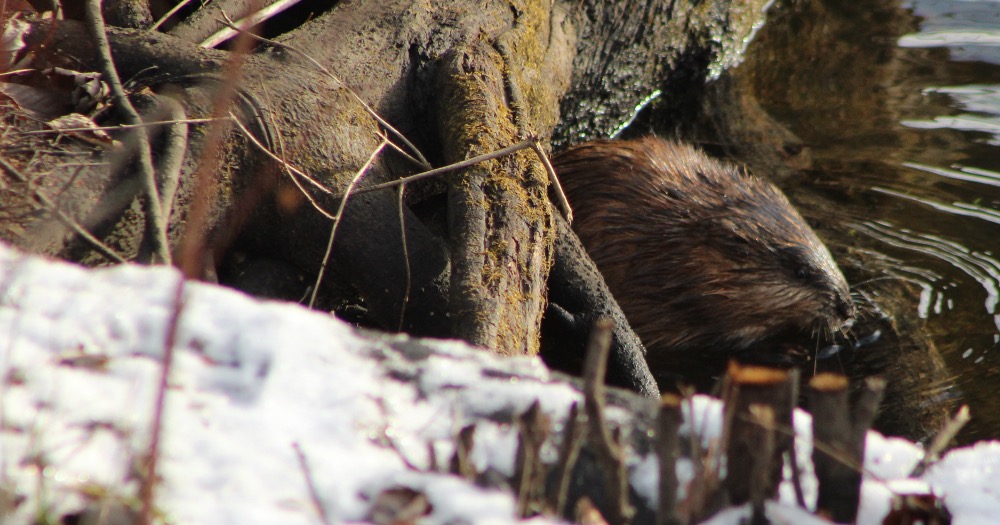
[(958, 208), (980, 266)]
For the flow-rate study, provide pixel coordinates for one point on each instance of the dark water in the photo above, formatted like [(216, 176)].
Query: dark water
[(898, 105)]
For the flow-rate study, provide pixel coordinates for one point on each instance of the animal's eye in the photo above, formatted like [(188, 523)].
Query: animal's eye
[(802, 272)]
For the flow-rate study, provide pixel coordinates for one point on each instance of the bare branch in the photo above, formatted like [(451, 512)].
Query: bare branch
[(68, 221), (420, 157), (123, 126), (406, 258), (451, 167), (152, 455), (156, 223), (313, 493), (292, 170), (561, 199), (340, 213), (261, 15)]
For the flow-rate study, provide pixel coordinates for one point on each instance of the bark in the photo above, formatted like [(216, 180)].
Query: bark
[(458, 80)]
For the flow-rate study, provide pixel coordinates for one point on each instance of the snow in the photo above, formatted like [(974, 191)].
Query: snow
[(252, 380)]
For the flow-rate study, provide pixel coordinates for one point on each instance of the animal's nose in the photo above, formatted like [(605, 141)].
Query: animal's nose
[(845, 308)]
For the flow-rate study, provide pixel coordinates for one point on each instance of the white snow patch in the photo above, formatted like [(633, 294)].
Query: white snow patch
[(80, 355)]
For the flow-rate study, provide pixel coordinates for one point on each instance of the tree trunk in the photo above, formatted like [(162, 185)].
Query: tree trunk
[(459, 80)]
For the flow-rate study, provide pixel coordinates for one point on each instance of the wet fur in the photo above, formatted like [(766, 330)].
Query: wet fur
[(699, 255)]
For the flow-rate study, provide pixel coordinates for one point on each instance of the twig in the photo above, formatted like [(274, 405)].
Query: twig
[(594, 368), (667, 451), (148, 482), (406, 155), (180, 5), (532, 431), (420, 157), (568, 454), (291, 169), (101, 248), (561, 199), (339, 215), (406, 258), (261, 15), (941, 440), (760, 483), (451, 167), (156, 224), (793, 462), (607, 445), (461, 462), (310, 484), (121, 127), (791, 455)]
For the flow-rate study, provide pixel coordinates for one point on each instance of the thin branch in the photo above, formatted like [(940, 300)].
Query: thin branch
[(277, 158), (340, 214), (406, 258), (310, 484), (405, 155), (123, 126), (941, 440), (451, 167), (52, 208), (561, 199), (156, 224), (292, 170), (148, 483), (419, 156), (172, 12), (261, 15), (607, 444)]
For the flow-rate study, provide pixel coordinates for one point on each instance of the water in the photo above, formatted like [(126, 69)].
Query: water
[(899, 106)]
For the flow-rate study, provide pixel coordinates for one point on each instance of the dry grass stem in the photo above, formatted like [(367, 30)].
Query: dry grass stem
[(124, 126), (148, 483), (419, 160), (292, 170), (451, 167), (561, 199), (257, 17), (406, 257), (192, 258), (310, 484), (180, 5), (339, 215), (171, 160), (942, 439), (68, 221)]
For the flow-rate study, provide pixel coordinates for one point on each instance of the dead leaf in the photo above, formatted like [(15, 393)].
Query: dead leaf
[(87, 90), (81, 127), (12, 42), (399, 506), (89, 361), (40, 104)]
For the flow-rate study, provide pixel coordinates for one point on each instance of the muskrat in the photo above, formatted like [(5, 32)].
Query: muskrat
[(700, 255)]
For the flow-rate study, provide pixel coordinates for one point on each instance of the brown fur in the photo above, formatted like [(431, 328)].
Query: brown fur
[(699, 255)]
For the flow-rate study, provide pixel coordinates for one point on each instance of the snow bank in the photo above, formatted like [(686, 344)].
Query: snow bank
[(251, 380)]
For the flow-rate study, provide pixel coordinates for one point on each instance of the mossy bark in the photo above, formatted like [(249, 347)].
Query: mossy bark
[(458, 79)]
